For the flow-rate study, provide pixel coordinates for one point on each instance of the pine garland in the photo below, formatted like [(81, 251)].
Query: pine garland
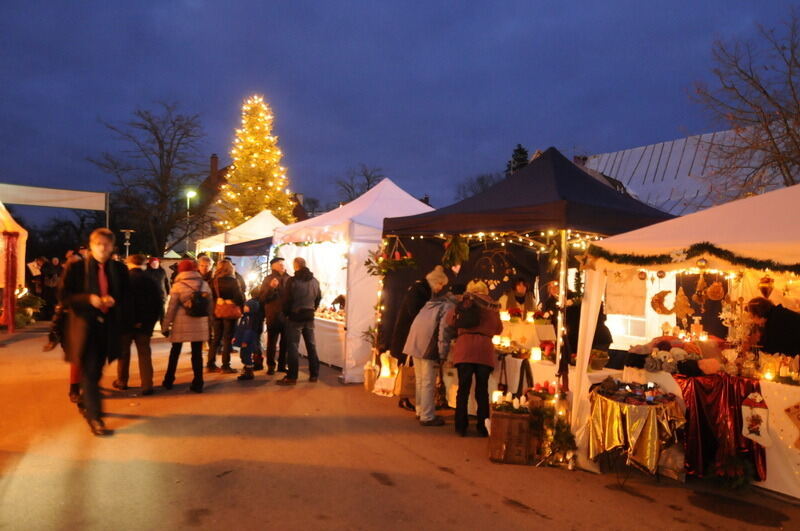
[(693, 251)]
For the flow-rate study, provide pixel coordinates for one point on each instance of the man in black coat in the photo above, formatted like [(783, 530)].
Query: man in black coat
[(95, 293), (158, 275), (148, 309), (271, 297)]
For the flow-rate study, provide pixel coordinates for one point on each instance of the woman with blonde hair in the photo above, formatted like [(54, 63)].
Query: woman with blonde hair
[(228, 303)]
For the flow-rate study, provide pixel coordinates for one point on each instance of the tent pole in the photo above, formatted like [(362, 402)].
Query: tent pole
[(108, 212), (562, 298)]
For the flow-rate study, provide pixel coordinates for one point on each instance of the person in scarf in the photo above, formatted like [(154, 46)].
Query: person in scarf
[(95, 293)]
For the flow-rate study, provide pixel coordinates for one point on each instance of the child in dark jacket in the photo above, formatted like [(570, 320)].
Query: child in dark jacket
[(248, 337)]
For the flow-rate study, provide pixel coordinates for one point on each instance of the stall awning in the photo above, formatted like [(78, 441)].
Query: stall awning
[(259, 247), (52, 197), (550, 193), (259, 226)]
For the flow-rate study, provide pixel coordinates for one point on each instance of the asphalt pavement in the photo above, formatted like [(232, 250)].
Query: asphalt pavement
[(253, 455)]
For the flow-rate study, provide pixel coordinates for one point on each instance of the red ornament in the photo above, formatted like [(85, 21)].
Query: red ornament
[(642, 275), (408, 254), (397, 255)]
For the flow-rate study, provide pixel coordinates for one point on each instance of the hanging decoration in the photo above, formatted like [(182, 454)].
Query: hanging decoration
[(661, 274), (642, 275), (456, 251), (389, 257), (700, 292), (698, 249), (755, 419), (766, 285), (702, 263), (716, 291), (683, 308), (657, 303)]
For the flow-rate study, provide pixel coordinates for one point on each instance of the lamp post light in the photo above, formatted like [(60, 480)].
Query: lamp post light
[(189, 195), (127, 233)]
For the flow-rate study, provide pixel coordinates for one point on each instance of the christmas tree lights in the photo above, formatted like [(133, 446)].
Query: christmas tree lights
[(256, 181)]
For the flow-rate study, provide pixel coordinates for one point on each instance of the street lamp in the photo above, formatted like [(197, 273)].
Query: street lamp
[(189, 195), (127, 233)]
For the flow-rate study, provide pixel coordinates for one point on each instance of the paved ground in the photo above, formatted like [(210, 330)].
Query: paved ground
[(318, 456)]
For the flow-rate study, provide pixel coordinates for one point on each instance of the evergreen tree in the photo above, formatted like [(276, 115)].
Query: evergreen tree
[(519, 159), (255, 181)]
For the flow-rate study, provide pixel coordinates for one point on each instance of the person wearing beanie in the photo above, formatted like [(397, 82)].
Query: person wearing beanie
[(428, 343), (190, 304), (473, 352)]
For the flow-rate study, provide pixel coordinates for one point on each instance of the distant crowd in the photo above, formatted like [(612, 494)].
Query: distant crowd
[(102, 305)]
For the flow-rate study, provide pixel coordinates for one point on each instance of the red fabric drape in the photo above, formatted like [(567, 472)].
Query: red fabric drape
[(9, 293), (714, 425)]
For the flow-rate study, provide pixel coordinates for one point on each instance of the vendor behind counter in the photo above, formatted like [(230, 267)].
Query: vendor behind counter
[(779, 327)]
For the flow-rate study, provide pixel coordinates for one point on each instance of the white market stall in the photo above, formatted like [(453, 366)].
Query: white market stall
[(259, 226), (12, 263), (746, 240), (335, 246)]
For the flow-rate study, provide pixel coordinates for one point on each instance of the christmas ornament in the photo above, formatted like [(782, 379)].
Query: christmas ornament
[(715, 292), (642, 275), (700, 293), (661, 274), (755, 419), (683, 307), (765, 285), (702, 263), (657, 303)]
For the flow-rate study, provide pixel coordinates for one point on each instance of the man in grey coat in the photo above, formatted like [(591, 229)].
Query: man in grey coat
[(302, 300)]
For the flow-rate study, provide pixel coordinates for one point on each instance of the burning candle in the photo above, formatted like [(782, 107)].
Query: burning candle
[(769, 376), (529, 317), (536, 354), (495, 340), (497, 397), (505, 341), (505, 316)]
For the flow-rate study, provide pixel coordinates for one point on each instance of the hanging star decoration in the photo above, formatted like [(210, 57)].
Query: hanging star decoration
[(587, 261)]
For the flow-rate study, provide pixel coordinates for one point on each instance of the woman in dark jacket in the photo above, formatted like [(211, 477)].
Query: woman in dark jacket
[(415, 298), (224, 287)]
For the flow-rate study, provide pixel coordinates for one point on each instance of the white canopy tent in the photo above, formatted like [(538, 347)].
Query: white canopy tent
[(12, 263), (346, 236), (764, 227), (259, 226)]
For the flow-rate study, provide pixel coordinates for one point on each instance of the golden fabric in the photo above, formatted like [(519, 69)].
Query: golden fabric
[(642, 431)]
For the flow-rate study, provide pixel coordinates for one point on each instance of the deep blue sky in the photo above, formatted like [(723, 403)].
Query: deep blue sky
[(430, 91)]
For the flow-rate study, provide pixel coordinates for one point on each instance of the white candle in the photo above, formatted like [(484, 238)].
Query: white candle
[(497, 397), (505, 316), (536, 354)]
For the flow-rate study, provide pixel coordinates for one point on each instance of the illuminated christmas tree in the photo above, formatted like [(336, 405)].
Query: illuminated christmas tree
[(255, 180)]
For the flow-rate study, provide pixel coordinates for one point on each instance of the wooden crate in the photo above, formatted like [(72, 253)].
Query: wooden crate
[(511, 441)]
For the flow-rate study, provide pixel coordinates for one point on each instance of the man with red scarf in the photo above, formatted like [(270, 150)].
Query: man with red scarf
[(95, 294)]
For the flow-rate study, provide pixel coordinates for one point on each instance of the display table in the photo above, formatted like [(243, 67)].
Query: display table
[(714, 442), (543, 371), (330, 339), (642, 431)]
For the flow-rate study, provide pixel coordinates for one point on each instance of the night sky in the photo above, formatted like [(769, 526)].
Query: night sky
[(432, 92)]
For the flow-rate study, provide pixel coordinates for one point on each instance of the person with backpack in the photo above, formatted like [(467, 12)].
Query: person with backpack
[(190, 304), (229, 301), (476, 319), (428, 343)]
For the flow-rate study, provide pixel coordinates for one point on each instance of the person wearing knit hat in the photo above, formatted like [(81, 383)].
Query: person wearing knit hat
[(158, 275), (186, 265), (477, 286)]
